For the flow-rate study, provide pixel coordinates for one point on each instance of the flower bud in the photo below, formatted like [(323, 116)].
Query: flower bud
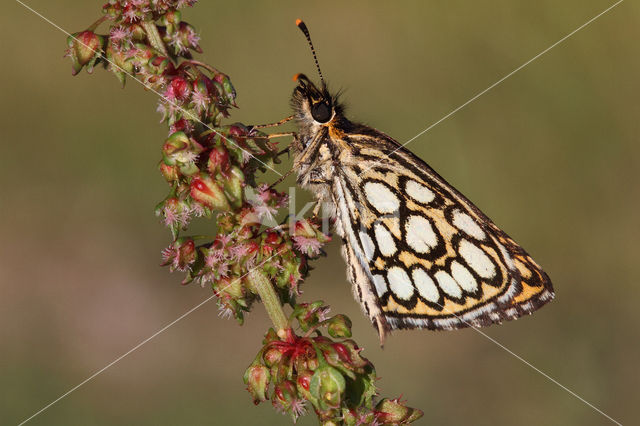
[(180, 255), (303, 383), (228, 287), (178, 89), (170, 20), (181, 150), (137, 33), (84, 48), (303, 228), (160, 65), (339, 326), (204, 85), (272, 238), (272, 357), (118, 62), (393, 412), (218, 160), (327, 386), (284, 394), (309, 314), (257, 377), (207, 192), (189, 37), (228, 91), (233, 185)]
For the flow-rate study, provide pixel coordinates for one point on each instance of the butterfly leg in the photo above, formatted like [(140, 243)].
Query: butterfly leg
[(277, 135), (279, 123), (281, 178)]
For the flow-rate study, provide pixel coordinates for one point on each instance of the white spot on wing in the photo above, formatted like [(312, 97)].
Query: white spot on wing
[(367, 245), (463, 277), (400, 283), (380, 284), (448, 284), (420, 234), (477, 259), (419, 192), (425, 285), (381, 197), (465, 223), (386, 244)]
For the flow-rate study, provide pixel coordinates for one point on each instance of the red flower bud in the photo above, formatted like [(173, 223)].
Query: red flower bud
[(180, 150), (218, 160), (273, 238), (160, 65), (178, 89), (207, 192), (179, 255), (303, 384), (272, 357), (170, 173), (204, 85), (237, 131), (84, 48), (284, 394), (257, 377)]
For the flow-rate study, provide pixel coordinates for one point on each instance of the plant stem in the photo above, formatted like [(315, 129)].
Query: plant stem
[(154, 37), (270, 300)]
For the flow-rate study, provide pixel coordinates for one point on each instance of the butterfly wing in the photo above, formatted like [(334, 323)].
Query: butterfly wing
[(420, 254)]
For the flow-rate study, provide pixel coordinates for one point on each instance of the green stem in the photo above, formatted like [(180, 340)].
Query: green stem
[(154, 37), (270, 300)]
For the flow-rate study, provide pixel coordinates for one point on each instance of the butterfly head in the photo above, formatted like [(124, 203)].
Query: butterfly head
[(312, 105)]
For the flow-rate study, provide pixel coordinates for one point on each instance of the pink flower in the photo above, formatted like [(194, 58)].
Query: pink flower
[(170, 215), (193, 38), (308, 246), (224, 239), (225, 311), (298, 407), (223, 269), (200, 100), (214, 257), (197, 209), (120, 36), (239, 251)]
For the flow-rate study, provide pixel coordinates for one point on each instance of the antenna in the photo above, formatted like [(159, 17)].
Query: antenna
[(305, 30)]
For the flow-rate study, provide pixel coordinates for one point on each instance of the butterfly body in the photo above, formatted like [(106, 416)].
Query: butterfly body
[(419, 254)]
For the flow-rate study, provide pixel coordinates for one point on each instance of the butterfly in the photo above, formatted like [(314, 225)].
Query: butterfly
[(419, 254)]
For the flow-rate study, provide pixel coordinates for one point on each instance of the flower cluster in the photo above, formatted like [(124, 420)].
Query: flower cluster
[(326, 372), (212, 172)]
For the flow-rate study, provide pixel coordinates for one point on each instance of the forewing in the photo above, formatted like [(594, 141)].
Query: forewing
[(423, 252)]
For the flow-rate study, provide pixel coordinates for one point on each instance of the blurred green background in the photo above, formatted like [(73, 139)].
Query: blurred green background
[(551, 154)]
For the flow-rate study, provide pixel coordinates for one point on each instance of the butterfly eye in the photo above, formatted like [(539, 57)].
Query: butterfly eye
[(321, 112)]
